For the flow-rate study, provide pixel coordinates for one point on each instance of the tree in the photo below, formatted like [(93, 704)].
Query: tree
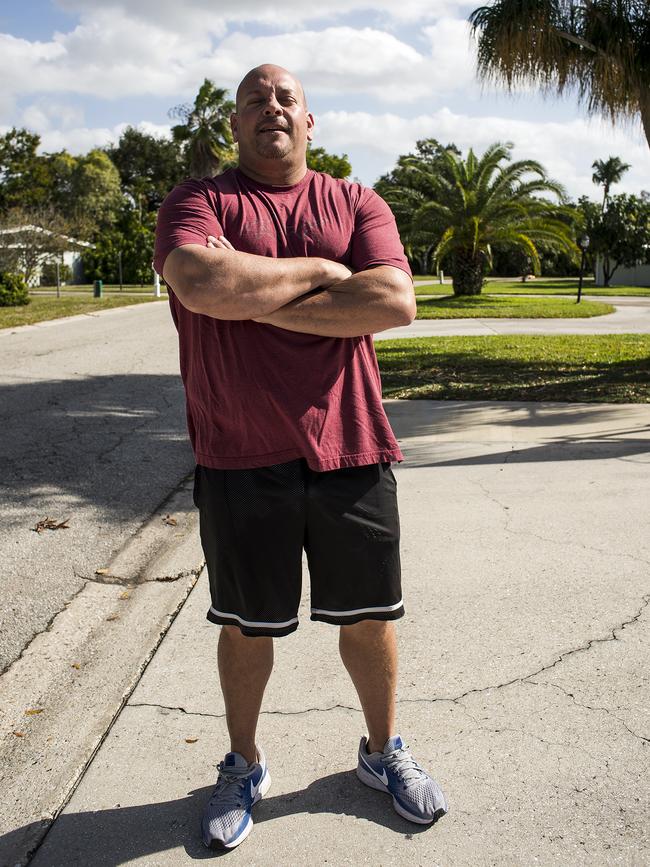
[(132, 236), (320, 160), (25, 180), (600, 48), (95, 194), (620, 235), (608, 172), (205, 133), (411, 177), (149, 166), (467, 207)]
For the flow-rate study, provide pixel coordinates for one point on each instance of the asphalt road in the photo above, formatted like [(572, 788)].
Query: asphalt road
[(93, 431)]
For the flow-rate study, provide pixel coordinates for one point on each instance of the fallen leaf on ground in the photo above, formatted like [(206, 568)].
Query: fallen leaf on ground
[(101, 571), (169, 520), (124, 595), (191, 740), (19, 734), (33, 711), (113, 617), (51, 524), (75, 665)]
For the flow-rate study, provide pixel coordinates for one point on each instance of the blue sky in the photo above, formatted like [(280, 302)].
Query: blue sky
[(378, 76)]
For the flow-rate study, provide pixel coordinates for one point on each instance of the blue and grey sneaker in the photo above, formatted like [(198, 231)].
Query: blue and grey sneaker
[(415, 795), (227, 818)]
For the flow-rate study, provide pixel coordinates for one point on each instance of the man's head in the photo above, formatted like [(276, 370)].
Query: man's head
[(271, 122)]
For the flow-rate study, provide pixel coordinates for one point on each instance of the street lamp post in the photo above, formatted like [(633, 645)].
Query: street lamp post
[(583, 243)]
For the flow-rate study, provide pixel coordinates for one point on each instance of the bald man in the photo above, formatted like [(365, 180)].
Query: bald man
[(278, 277)]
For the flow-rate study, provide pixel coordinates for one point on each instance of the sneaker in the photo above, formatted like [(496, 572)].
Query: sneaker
[(227, 818), (415, 795)]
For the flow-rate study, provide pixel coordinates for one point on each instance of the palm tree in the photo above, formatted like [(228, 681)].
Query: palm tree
[(608, 172), (600, 48), (464, 208), (205, 131)]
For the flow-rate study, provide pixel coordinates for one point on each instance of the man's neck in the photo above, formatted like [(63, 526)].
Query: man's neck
[(274, 173)]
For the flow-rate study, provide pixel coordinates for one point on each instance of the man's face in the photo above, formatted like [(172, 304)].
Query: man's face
[(272, 120)]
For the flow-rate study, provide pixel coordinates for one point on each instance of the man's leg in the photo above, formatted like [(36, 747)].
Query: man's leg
[(245, 665), (369, 652)]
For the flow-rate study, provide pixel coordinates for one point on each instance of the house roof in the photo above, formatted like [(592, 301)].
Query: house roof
[(16, 230)]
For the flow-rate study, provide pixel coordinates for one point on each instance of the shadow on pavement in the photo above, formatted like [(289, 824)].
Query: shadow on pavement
[(101, 440), (458, 433), (107, 838)]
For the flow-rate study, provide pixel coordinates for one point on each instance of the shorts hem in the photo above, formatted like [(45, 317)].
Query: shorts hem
[(349, 619), (250, 630)]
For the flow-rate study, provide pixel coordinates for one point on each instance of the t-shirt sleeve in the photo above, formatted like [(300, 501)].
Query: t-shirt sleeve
[(375, 240), (187, 216)]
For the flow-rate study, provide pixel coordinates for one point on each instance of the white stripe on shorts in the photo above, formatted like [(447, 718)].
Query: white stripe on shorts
[(254, 622), (380, 609)]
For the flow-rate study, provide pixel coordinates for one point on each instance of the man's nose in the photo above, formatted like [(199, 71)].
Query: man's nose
[(272, 107)]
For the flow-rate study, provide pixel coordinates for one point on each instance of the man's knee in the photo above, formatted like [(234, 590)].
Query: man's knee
[(369, 628), (234, 635)]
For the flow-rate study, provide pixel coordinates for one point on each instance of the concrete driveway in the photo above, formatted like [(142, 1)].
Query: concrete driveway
[(524, 673)]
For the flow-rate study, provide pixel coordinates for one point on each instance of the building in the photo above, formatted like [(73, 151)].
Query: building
[(28, 248)]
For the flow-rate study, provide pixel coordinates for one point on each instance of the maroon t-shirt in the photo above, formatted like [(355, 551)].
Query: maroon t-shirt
[(258, 394)]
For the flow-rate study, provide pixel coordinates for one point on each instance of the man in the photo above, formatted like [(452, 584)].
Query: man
[(278, 278)]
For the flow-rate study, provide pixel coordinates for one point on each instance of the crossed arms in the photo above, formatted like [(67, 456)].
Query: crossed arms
[(311, 295)]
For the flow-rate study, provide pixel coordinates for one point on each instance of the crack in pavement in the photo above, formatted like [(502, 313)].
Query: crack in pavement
[(589, 706), (521, 678), (262, 713), (456, 700), (118, 581), (47, 628), (564, 542)]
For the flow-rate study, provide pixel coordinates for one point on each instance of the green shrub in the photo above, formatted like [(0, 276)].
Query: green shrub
[(13, 290), (48, 274)]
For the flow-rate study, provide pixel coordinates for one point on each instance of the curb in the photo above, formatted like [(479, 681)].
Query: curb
[(61, 697)]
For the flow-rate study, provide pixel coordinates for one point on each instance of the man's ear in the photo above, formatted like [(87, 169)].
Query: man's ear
[(310, 126), (233, 126)]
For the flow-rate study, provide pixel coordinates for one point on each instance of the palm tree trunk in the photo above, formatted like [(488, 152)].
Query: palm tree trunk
[(468, 273), (644, 103)]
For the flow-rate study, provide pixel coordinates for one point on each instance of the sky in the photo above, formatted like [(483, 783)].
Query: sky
[(378, 77)]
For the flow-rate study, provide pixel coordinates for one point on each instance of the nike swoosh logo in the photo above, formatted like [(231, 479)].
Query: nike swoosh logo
[(383, 776), (254, 789)]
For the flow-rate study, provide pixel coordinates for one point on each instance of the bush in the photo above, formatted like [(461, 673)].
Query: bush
[(13, 290), (48, 274)]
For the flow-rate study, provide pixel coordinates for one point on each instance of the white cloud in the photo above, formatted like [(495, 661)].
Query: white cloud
[(196, 14), (81, 139), (330, 60), (44, 115), (108, 55), (113, 55), (566, 150)]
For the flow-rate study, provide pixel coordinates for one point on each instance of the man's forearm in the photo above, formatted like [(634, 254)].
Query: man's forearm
[(365, 303), (226, 284)]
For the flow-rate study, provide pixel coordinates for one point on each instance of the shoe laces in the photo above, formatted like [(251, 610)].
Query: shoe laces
[(404, 765), (229, 789)]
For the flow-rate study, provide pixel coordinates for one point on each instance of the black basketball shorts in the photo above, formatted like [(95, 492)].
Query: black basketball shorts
[(256, 522)]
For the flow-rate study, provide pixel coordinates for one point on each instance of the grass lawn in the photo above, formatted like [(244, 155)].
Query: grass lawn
[(108, 287), (42, 307), (550, 286), (479, 306), (583, 368)]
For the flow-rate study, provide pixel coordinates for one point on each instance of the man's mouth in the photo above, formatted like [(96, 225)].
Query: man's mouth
[(273, 129)]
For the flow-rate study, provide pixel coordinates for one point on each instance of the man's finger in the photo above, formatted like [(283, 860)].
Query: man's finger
[(226, 242)]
